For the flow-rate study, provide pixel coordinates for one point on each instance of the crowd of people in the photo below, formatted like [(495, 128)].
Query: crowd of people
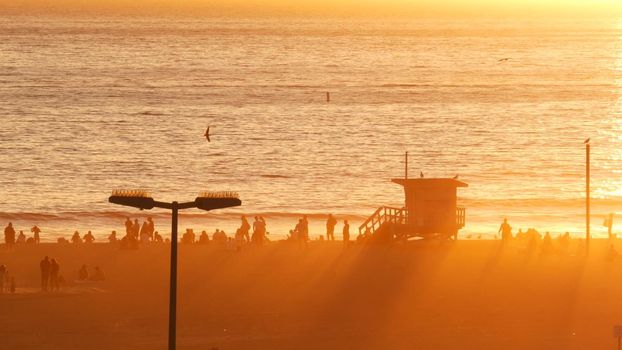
[(10, 237)]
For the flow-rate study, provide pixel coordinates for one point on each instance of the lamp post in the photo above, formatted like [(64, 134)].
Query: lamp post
[(206, 201)]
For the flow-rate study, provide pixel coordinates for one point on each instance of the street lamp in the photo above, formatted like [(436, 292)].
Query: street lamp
[(206, 201)]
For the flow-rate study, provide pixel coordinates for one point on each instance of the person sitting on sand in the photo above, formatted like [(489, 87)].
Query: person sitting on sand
[(157, 238), (203, 238), (520, 234), (89, 238), (45, 266), (98, 275), (83, 274), (346, 232), (76, 237), (62, 240), (54, 269), (21, 238), (219, 237), (9, 235), (112, 238), (36, 230), (506, 230)]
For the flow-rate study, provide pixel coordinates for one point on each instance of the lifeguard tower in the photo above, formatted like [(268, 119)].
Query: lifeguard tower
[(430, 211)]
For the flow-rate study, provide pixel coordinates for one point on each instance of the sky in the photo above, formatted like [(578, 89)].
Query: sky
[(412, 8)]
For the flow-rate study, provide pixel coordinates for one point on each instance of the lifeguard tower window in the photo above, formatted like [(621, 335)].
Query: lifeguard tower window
[(430, 210)]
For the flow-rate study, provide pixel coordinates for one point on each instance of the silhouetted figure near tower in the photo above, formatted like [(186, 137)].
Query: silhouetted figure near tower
[(45, 266), (330, 227), (128, 227), (9, 235)]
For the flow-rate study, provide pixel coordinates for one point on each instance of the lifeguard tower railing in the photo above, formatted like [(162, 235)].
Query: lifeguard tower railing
[(399, 216)]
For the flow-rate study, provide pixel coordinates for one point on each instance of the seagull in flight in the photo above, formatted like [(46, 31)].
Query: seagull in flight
[(504, 59), (587, 141), (207, 135)]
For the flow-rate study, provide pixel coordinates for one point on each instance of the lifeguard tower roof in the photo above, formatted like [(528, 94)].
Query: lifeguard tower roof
[(430, 182)]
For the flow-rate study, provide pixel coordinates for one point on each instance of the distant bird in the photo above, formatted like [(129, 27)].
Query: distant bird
[(504, 59), (207, 135), (421, 174), (455, 177), (587, 140)]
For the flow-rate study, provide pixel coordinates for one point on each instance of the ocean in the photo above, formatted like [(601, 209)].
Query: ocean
[(92, 104)]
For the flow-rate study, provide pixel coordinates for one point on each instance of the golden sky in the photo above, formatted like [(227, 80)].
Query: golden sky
[(416, 8)]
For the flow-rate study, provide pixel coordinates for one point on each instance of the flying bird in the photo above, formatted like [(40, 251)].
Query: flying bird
[(421, 174), (504, 59), (587, 140), (207, 135)]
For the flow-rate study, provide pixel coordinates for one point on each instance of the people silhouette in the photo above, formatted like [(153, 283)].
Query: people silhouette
[(36, 230), (128, 227), (157, 238), (135, 229), (203, 238), (98, 275), (9, 235), (112, 238), (45, 266), (76, 237), (89, 238), (54, 269), (21, 238), (346, 232), (83, 274), (144, 232), (330, 227), (245, 229), (506, 230), (150, 228)]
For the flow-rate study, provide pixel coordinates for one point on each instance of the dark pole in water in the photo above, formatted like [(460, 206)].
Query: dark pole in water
[(172, 311), (327, 96), (406, 166), (587, 195)]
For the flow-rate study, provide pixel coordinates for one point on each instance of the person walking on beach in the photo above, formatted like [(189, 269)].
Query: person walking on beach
[(54, 269), (346, 232), (45, 266), (144, 232), (9, 235), (36, 230), (245, 229), (304, 229), (330, 227), (506, 230)]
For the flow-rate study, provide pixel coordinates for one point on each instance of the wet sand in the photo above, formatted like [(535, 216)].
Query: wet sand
[(466, 294)]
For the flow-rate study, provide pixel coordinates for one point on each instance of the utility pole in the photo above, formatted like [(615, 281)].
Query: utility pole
[(406, 165)]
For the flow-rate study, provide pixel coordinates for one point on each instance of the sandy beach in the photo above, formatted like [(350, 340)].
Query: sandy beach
[(424, 295)]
